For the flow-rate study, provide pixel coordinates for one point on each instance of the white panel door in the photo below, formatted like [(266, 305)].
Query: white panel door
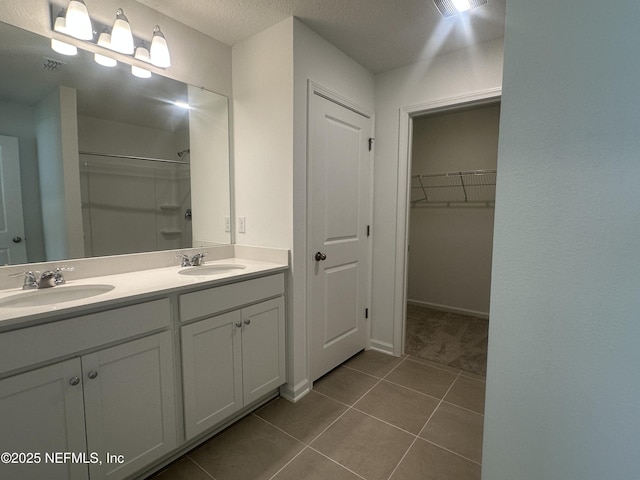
[(12, 246), (42, 412), (130, 404), (338, 244)]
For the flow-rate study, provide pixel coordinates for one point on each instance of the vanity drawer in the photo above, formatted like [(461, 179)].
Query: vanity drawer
[(33, 345), (227, 297)]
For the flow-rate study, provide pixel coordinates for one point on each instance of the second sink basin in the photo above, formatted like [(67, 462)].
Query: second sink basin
[(214, 269), (51, 296)]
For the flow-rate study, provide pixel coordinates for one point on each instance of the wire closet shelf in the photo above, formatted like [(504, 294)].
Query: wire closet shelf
[(473, 187)]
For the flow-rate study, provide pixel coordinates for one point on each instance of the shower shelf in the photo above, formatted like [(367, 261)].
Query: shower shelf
[(477, 187)]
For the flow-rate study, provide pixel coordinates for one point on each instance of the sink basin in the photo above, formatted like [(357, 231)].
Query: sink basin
[(215, 269), (54, 295)]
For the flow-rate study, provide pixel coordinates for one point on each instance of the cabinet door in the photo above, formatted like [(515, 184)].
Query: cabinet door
[(42, 412), (211, 371), (263, 348), (130, 405)]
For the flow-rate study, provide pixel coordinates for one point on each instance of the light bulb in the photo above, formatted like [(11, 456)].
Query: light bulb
[(104, 40), (143, 55), (461, 5), (121, 36), (159, 50), (78, 21)]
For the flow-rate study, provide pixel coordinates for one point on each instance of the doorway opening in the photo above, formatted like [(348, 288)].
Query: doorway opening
[(453, 164)]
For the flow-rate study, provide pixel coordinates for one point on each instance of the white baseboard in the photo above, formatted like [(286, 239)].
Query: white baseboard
[(294, 393), (449, 308), (383, 347)]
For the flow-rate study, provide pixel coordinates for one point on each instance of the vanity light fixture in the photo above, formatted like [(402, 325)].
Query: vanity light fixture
[(104, 40), (75, 22), (121, 36), (181, 104), (159, 50), (78, 22), (449, 8), (141, 54)]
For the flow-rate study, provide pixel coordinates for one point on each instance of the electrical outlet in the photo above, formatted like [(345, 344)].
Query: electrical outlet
[(227, 224), (242, 225)]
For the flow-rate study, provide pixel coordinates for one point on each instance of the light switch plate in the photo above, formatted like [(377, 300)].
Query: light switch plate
[(242, 226), (227, 224)]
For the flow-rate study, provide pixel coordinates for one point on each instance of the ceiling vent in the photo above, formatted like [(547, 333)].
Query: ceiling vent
[(51, 65), (449, 8)]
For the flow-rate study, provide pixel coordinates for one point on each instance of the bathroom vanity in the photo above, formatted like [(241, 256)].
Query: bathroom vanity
[(129, 370)]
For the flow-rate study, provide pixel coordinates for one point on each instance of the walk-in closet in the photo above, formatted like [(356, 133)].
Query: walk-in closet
[(453, 179)]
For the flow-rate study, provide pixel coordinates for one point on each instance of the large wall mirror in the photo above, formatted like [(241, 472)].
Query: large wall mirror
[(95, 161)]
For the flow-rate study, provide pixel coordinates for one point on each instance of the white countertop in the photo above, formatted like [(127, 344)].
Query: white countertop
[(128, 286)]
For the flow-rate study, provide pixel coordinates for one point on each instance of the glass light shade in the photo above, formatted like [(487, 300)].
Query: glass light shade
[(78, 21), (63, 48), (121, 36), (143, 55), (104, 40), (461, 5), (159, 50)]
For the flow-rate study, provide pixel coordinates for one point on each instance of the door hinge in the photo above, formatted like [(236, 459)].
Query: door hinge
[(366, 313), (371, 140), (368, 230)]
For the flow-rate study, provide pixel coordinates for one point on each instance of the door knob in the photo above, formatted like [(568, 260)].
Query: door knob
[(320, 256), (17, 239)]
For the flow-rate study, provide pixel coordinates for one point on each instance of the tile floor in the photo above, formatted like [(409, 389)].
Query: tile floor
[(376, 417)]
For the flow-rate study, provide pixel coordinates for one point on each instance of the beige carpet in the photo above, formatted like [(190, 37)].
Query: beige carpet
[(448, 338)]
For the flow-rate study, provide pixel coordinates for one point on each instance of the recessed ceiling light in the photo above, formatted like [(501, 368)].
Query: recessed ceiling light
[(449, 8)]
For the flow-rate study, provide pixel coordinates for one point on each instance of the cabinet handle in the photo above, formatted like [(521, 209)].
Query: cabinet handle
[(74, 381), (238, 324), (92, 374), (247, 321)]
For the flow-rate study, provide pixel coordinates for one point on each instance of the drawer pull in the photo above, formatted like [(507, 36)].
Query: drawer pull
[(247, 321), (74, 381), (92, 374)]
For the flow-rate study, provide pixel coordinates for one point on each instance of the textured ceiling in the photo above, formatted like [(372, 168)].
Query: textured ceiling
[(379, 34)]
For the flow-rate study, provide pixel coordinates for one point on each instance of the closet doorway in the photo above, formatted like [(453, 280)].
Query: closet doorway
[(452, 198)]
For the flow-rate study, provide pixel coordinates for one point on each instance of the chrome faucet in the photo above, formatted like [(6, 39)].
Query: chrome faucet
[(195, 261), (46, 279)]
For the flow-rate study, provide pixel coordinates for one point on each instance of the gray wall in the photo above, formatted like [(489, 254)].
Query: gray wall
[(563, 385)]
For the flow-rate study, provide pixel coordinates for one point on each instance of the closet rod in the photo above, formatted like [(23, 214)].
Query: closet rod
[(130, 157)]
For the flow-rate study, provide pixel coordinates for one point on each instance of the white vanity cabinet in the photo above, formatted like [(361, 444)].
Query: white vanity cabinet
[(41, 412), (117, 400), (231, 359)]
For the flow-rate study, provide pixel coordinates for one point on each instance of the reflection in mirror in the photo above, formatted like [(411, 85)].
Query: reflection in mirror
[(108, 163)]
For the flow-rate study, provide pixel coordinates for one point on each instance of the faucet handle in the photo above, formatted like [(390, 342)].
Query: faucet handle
[(57, 274), (198, 259), (184, 260), (30, 280)]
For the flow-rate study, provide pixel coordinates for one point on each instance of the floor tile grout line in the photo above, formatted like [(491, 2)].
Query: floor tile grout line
[(383, 421), (200, 467), (289, 462), (421, 430), (414, 390), (280, 429), (308, 445), (463, 408), (449, 450), (335, 461), (438, 406)]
